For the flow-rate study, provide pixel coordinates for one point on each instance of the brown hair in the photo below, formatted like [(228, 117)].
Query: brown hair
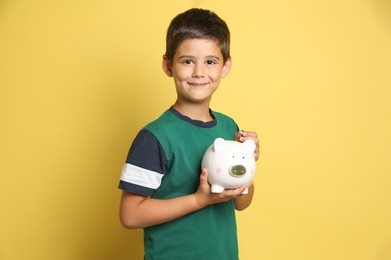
[(199, 24)]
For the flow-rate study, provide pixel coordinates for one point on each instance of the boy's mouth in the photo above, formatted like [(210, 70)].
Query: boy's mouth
[(197, 84)]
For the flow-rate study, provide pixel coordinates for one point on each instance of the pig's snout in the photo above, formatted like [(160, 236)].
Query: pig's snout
[(238, 170)]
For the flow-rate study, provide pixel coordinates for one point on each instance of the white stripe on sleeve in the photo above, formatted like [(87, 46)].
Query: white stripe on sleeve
[(140, 176)]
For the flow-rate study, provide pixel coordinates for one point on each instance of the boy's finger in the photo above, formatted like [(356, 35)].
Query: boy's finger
[(204, 175)]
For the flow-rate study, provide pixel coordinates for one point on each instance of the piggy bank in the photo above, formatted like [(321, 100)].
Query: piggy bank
[(230, 164)]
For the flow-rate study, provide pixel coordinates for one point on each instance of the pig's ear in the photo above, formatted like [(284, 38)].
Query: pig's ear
[(218, 144), (250, 145)]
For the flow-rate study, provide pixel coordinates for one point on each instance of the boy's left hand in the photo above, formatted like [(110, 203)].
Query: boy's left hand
[(242, 136)]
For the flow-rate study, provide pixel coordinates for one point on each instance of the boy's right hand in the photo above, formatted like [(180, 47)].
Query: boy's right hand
[(205, 197)]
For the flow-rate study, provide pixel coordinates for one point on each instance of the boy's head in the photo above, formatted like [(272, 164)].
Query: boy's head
[(197, 24)]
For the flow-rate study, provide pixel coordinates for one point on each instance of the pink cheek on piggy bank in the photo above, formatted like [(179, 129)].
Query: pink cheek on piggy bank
[(218, 170)]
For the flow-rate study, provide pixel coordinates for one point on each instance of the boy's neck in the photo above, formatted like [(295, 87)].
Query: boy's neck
[(194, 111)]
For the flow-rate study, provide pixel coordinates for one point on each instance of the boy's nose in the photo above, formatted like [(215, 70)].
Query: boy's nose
[(198, 71)]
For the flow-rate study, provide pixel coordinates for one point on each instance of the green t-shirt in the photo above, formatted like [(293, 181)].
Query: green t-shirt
[(206, 234)]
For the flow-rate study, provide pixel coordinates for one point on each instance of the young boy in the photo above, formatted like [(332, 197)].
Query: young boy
[(163, 190)]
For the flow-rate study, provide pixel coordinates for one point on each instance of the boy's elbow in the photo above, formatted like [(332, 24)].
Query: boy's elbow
[(241, 207), (129, 218), (129, 223)]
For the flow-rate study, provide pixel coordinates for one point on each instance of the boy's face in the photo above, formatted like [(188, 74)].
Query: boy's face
[(197, 68)]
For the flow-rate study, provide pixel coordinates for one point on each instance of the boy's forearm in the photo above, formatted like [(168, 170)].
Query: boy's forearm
[(149, 212), (244, 201), (139, 212)]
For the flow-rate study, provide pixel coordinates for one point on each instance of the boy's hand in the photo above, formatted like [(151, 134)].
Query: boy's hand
[(242, 136), (206, 197)]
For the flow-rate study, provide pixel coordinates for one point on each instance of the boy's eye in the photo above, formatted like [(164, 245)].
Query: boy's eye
[(188, 62), (210, 62)]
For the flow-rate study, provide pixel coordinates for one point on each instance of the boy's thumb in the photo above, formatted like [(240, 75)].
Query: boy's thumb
[(204, 174)]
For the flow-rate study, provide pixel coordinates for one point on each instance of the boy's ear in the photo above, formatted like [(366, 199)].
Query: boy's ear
[(166, 64), (226, 68)]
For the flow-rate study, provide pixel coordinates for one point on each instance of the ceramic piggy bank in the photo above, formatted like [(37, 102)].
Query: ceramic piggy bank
[(230, 164)]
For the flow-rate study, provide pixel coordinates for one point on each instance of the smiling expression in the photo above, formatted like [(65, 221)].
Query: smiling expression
[(197, 68)]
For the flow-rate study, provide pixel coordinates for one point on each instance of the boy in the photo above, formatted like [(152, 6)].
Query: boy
[(163, 190)]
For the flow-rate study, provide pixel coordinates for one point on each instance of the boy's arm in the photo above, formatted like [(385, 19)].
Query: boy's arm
[(139, 212), (244, 201)]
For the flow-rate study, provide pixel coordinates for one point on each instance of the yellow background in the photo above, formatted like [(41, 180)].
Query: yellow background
[(79, 78)]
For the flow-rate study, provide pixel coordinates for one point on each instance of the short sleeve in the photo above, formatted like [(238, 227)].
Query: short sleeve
[(145, 165)]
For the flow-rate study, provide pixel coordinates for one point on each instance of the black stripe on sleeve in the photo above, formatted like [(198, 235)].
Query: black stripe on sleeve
[(133, 188)]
